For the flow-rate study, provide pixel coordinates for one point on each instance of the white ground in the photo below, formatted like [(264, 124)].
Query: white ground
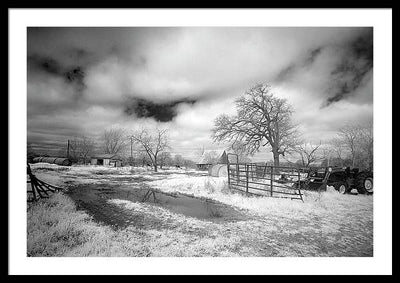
[(325, 224)]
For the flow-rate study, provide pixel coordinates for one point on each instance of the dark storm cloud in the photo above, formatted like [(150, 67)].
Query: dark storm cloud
[(312, 55), (73, 75), (293, 68), (161, 112), (76, 76), (88, 46), (45, 64), (337, 70), (362, 47), (79, 54), (350, 72), (286, 73)]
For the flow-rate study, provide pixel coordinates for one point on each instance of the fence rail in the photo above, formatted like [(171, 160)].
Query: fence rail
[(264, 180), (39, 188)]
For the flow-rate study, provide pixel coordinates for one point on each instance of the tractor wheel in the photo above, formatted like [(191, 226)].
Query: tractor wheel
[(365, 184), (341, 187)]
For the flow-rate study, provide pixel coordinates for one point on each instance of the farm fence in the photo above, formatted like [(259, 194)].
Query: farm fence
[(264, 180), (39, 188)]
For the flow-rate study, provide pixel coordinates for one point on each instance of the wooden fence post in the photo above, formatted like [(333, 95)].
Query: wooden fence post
[(229, 178), (272, 177), (298, 174), (247, 179), (237, 172)]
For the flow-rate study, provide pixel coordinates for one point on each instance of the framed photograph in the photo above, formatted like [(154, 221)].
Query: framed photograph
[(200, 141)]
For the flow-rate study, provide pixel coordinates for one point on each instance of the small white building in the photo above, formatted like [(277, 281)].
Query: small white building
[(107, 160), (212, 157)]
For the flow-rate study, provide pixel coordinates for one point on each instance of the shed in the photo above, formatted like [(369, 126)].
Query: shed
[(113, 160), (210, 157)]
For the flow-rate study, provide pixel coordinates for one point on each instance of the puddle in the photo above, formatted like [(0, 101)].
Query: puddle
[(93, 198), (178, 203)]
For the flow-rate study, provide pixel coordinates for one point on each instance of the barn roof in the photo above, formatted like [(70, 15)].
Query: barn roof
[(217, 153), (106, 156)]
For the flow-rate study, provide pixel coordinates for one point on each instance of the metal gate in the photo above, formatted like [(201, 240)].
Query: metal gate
[(264, 180)]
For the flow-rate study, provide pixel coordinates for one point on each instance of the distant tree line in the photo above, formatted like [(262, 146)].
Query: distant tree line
[(352, 147), (141, 148)]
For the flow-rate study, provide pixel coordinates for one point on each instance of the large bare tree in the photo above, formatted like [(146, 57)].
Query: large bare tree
[(262, 120), (239, 148), (114, 141), (142, 158), (153, 143)]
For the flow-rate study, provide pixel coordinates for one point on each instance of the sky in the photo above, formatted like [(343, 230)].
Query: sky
[(82, 81)]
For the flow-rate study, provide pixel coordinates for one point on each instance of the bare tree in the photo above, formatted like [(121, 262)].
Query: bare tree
[(142, 158), (85, 148), (309, 153), (189, 163), (165, 159), (327, 152), (114, 141), (350, 137), (73, 153), (179, 160), (262, 119), (338, 148), (240, 149), (367, 145), (80, 148), (152, 143)]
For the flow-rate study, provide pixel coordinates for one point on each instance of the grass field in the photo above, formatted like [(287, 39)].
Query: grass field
[(95, 217)]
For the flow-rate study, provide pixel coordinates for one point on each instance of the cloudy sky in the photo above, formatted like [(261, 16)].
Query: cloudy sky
[(82, 81)]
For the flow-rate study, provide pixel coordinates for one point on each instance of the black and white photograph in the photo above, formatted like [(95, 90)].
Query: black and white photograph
[(201, 141)]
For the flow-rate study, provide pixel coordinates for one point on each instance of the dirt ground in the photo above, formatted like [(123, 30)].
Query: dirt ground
[(178, 202)]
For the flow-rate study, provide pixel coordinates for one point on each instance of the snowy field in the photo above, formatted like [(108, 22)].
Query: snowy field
[(133, 211)]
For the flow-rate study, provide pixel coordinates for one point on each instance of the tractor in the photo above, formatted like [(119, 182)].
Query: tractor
[(343, 179)]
